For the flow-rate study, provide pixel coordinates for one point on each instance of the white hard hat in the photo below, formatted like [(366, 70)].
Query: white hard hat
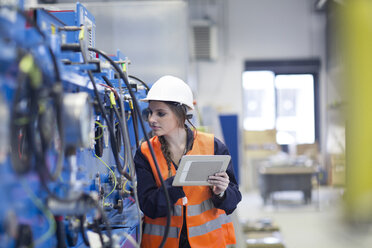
[(170, 89)]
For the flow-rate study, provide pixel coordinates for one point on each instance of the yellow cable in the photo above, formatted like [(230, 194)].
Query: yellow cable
[(112, 99), (131, 105), (112, 174)]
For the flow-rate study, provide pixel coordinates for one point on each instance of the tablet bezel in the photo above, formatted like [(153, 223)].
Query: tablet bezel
[(183, 168)]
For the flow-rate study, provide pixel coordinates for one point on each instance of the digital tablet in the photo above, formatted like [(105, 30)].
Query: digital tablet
[(195, 169)]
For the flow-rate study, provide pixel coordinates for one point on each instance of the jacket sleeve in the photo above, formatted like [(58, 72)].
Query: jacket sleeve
[(151, 198), (232, 195)]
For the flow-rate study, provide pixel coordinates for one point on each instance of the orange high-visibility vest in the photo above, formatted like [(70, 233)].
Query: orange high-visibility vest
[(207, 226)]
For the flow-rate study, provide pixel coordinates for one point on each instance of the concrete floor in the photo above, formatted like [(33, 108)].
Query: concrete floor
[(315, 225)]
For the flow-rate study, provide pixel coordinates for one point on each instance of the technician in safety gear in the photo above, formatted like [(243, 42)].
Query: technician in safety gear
[(200, 214)]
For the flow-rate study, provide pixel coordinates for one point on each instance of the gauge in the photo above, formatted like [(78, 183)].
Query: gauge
[(77, 119)]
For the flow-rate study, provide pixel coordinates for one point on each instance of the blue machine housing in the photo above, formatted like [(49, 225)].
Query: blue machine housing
[(29, 216)]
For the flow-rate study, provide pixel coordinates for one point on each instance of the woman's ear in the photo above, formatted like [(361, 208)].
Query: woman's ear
[(184, 108)]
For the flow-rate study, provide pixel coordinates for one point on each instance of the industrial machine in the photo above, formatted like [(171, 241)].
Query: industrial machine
[(69, 127)]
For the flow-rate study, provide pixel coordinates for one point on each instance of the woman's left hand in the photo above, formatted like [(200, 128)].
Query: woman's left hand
[(220, 182)]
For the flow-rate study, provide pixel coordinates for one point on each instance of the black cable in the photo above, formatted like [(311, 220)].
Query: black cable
[(118, 134), (121, 126), (135, 126), (107, 81), (98, 133), (21, 146), (82, 230), (141, 81), (146, 138), (98, 229), (114, 142), (61, 234)]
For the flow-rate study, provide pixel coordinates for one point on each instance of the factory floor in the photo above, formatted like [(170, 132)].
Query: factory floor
[(315, 225)]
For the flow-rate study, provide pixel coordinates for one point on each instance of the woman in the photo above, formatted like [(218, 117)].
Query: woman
[(199, 215)]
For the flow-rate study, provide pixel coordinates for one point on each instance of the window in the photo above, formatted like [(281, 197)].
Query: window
[(282, 97), (259, 100)]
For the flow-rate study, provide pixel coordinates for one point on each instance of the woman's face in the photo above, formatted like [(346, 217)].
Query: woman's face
[(161, 119)]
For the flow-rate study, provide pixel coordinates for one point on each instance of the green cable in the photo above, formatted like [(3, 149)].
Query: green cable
[(112, 174), (125, 184), (48, 214), (101, 126), (22, 121)]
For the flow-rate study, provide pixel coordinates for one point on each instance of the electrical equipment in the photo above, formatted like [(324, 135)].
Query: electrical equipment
[(69, 127)]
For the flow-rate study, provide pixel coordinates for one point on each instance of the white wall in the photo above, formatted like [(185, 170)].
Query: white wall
[(150, 33), (257, 30)]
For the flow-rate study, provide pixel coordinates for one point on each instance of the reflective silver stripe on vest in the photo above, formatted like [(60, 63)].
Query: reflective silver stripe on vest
[(177, 210), (158, 230), (193, 210), (209, 226)]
